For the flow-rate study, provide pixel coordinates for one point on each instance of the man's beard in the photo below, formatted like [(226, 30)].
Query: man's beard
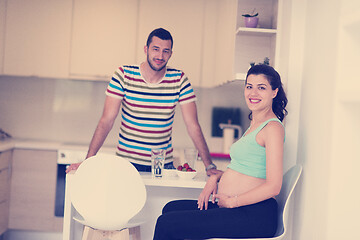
[(154, 68)]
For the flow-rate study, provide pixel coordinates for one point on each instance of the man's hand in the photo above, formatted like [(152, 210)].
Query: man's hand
[(73, 166), (213, 171)]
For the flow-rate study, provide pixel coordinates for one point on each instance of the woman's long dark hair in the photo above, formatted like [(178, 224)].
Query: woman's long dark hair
[(280, 101)]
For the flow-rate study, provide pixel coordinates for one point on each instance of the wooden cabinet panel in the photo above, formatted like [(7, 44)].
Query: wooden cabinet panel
[(5, 172), (5, 159), (184, 20), (33, 187), (4, 216), (37, 39), (4, 184), (103, 37), (203, 33), (219, 42)]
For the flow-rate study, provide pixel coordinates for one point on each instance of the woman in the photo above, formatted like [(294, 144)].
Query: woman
[(245, 207)]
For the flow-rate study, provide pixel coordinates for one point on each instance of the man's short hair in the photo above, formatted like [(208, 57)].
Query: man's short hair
[(160, 33)]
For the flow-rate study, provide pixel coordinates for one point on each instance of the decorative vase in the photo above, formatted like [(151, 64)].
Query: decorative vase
[(251, 22)]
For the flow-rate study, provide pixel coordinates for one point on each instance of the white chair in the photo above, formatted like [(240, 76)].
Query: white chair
[(290, 180), (107, 191)]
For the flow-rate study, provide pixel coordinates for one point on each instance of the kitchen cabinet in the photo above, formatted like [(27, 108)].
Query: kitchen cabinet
[(255, 44), (33, 189), (219, 42), (184, 20), (202, 31), (37, 39), (5, 174), (103, 37), (2, 32)]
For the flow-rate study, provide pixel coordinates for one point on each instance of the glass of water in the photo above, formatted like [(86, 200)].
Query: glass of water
[(157, 162)]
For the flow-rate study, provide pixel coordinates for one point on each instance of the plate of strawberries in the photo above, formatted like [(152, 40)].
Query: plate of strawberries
[(185, 171)]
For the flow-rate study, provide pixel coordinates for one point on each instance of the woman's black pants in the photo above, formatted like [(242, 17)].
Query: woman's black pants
[(181, 219)]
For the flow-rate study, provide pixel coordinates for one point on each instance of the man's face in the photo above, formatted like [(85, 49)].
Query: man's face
[(158, 53)]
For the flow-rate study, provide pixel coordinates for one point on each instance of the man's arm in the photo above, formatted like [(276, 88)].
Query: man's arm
[(106, 122), (189, 113)]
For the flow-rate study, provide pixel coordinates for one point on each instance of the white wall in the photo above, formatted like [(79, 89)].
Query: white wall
[(324, 205)]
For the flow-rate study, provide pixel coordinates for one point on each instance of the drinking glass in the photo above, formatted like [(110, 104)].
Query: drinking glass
[(191, 155), (157, 162)]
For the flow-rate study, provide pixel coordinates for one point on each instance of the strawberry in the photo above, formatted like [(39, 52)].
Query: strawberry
[(186, 165), (179, 167)]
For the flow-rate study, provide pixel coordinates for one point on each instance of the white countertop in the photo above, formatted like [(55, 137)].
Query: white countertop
[(28, 144), (44, 145), (198, 182), (6, 145)]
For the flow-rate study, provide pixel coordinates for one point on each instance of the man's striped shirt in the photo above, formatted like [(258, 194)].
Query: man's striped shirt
[(147, 111)]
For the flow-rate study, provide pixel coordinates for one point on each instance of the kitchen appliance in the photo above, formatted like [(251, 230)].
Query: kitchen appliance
[(229, 135)]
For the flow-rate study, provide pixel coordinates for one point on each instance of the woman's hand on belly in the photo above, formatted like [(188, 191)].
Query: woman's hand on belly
[(225, 201), (210, 188)]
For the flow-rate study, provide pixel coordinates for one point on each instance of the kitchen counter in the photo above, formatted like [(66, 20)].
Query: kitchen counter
[(44, 145), (28, 144), (6, 145), (197, 182), (159, 192)]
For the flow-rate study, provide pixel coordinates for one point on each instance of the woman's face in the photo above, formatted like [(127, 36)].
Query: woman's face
[(258, 93)]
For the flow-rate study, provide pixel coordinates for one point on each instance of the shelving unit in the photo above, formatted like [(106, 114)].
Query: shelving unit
[(256, 31), (254, 44)]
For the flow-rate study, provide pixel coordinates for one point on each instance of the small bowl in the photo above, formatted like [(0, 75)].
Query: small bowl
[(186, 175)]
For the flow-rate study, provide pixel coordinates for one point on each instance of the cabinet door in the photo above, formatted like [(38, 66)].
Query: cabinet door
[(2, 32), (5, 159), (219, 42), (103, 37), (33, 189), (5, 172), (37, 39), (4, 216), (184, 20)]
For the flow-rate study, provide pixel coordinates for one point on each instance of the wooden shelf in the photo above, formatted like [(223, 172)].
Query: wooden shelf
[(240, 76), (256, 31)]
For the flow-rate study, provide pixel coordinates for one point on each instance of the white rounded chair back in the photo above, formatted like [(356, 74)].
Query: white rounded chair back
[(107, 191)]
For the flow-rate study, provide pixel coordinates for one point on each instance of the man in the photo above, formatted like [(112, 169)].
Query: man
[(146, 96)]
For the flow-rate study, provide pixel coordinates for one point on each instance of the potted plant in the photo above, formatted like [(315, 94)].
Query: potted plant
[(265, 62), (251, 20)]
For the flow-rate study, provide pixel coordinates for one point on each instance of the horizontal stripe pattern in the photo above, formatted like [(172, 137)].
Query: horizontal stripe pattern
[(147, 111)]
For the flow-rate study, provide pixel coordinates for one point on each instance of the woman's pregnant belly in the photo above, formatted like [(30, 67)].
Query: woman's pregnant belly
[(233, 183)]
